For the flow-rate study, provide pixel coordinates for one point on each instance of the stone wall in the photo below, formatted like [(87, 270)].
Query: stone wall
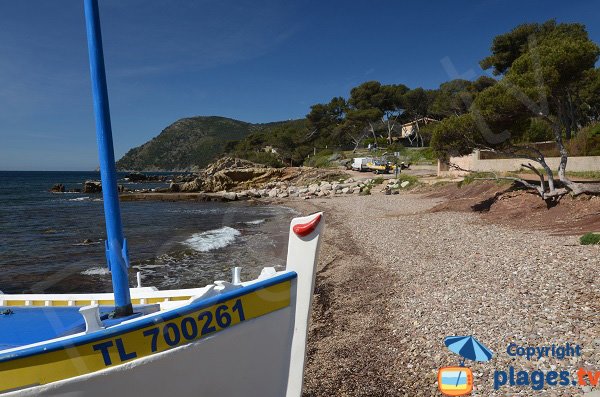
[(473, 162)]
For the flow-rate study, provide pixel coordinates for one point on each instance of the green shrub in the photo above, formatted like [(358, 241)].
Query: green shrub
[(538, 131), (483, 176), (471, 177), (395, 147), (378, 181), (265, 158), (319, 161), (381, 142), (418, 155), (590, 239), (410, 178)]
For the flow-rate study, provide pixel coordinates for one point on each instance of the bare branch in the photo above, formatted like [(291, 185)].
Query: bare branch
[(310, 134), (551, 195), (539, 174)]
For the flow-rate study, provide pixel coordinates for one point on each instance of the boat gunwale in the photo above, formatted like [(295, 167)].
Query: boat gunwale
[(151, 319)]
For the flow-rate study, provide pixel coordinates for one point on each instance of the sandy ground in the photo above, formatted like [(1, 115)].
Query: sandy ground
[(395, 277)]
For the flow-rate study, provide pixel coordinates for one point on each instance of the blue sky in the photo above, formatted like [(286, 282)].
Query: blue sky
[(256, 61)]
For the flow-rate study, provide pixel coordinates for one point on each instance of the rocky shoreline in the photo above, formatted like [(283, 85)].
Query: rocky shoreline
[(231, 179)]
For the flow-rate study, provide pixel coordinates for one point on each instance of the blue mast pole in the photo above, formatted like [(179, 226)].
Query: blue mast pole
[(116, 244)]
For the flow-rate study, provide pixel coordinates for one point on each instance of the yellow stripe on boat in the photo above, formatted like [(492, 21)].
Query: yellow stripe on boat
[(45, 367), (85, 302)]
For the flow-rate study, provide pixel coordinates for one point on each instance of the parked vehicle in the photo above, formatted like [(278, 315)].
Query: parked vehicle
[(361, 163)]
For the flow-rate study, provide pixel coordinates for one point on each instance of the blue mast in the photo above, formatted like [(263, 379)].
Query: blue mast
[(116, 244)]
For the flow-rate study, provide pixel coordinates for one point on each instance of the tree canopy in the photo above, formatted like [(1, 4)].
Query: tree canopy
[(549, 83)]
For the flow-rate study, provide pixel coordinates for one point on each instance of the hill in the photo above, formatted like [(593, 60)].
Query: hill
[(188, 144)]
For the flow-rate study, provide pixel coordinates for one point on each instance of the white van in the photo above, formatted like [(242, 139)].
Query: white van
[(360, 163)]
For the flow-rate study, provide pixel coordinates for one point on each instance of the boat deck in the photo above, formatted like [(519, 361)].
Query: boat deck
[(20, 326)]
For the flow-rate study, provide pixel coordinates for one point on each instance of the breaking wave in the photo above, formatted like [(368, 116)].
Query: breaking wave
[(256, 222), (212, 239), (96, 271), (85, 199)]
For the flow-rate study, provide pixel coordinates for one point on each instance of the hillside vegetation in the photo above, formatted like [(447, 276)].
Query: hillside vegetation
[(188, 144)]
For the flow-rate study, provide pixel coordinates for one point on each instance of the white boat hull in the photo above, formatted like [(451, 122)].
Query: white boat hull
[(249, 359)]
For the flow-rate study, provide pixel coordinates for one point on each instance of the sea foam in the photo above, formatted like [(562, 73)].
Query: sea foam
[(96, 271), (256, 222), (212, 239)]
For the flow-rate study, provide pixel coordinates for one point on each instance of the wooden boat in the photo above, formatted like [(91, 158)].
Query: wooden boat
[(230, 338)]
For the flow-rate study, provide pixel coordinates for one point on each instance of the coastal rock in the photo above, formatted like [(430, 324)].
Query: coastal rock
[(283, 194), (229, 179), (92, 187), (254, 193), (229, 196), (346, 190), (136, 177), (174, 187), (231, 174), (195, 185), (58, 188), (229, 162), (139, 177), (326, 187), (273, 193)]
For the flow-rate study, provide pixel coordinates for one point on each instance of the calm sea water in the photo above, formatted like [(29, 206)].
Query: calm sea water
[(53, 242)]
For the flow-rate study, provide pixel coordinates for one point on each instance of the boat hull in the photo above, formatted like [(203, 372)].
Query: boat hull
[(246, 331), (249, 359)]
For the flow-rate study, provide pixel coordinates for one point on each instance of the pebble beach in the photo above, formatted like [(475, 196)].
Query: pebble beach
[(396, 278)]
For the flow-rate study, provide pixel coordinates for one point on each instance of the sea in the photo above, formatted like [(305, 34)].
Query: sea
[(54, 242)]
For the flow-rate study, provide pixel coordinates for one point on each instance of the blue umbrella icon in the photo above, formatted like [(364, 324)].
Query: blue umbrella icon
[(469, 348)]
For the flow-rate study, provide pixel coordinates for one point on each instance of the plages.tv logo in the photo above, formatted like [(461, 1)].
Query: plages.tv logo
[(458, 380)]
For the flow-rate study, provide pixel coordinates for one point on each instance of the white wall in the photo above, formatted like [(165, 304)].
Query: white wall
[(472, 162)]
